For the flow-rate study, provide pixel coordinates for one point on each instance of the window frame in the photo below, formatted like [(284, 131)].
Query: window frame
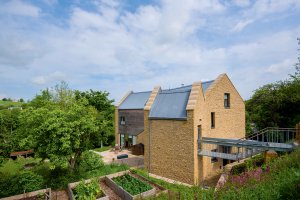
[(122, 120), (212, 119), (226, 100)]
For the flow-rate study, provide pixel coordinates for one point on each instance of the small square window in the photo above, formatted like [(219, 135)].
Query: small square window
[(122, 120), (214, 159), (227, 100)]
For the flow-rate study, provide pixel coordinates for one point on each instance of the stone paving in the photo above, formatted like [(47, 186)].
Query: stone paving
[(110, 156)]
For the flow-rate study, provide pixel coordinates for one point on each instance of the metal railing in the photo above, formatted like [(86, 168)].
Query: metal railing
[(279, 139)]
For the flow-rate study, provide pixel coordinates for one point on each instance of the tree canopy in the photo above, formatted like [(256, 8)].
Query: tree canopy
[(276, 104), (58, 124)]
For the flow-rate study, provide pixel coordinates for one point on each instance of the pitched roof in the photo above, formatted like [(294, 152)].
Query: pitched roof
[(171, 104), (135, 100)]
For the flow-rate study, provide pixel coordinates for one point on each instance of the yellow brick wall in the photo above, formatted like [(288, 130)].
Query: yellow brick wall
[(172, 149), (229, 122), (140, 138)]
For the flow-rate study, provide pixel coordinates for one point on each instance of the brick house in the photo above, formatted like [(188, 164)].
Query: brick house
[(170, 122)]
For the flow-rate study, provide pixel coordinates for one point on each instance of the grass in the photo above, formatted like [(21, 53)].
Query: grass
[(102, 149)]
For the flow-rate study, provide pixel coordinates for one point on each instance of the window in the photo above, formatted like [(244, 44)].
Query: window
[(212, 120), (214, 159), (226, 149), (122, 120), (227, 100)]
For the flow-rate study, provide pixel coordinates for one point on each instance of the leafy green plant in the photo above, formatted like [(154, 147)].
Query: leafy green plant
[(88, 191), (90, 161), (131, 184)]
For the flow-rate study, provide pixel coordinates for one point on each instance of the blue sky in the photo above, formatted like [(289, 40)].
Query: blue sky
[(121, 45)]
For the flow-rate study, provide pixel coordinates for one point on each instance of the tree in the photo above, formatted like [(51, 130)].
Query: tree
[(277, 104), (105, 115), (59, 127), (9, 123)]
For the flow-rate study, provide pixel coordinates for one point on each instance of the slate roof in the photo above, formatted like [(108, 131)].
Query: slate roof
[(168, 104), (135, 101), (171, 104)]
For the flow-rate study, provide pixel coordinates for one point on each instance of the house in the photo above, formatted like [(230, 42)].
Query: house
[(174, 120)]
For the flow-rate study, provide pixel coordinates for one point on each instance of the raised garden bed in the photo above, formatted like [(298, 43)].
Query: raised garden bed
[(129, 187), (44, 194), (87, 188)]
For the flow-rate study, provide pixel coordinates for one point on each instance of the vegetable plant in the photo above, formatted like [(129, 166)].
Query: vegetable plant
[(131, 184), (88, 191)]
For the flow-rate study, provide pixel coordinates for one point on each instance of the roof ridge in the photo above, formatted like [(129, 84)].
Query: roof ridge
[(178, 87), (140, 92), (174, 92)]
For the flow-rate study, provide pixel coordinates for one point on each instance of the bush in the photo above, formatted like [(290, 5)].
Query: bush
[(238, 169), (25, 181), (90, 161)]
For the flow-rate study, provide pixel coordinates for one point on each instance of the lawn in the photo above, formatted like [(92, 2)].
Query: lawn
[(100, 149)]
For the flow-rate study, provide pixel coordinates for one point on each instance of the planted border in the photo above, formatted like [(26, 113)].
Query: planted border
[(131, 184), (71, 187), (122, 192)]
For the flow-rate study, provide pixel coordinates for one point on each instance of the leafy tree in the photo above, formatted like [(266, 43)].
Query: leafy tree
[(59, 127), (9, 123), (276, 104), (105, 116)]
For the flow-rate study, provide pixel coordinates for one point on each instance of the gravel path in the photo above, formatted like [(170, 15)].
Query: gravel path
[(109, 192)]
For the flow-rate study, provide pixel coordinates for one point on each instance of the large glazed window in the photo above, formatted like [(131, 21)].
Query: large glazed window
[(227, 100)]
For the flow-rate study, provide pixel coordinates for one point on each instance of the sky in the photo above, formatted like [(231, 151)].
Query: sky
[(122, 45)]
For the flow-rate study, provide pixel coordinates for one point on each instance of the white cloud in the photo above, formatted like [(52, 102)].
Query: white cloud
[(119, 50), (17, 7), (241, 25), (51, 78), (241, 3), (281, 67)]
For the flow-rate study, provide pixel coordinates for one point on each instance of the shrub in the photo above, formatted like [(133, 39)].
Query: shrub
[(238, 169), (88, 191), (25, 181), (90, 161)]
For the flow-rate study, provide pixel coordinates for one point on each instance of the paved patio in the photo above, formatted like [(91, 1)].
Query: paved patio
[(111, 157)]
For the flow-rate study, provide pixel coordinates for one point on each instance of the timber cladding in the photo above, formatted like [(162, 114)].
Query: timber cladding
[(134, 121)]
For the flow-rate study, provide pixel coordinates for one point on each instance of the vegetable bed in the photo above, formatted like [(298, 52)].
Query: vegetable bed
[(131, 184), (90, 190)]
